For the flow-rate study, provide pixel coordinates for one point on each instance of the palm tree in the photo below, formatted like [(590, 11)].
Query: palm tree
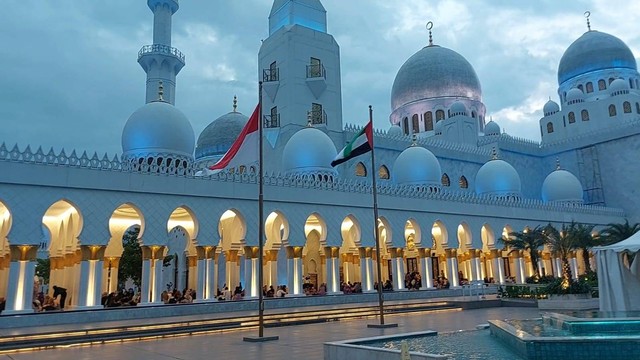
[(618, 232), (561, 244), (530, 240), (583, 240)]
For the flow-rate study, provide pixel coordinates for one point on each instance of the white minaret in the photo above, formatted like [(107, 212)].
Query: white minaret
[(160, 61), (299, 64)]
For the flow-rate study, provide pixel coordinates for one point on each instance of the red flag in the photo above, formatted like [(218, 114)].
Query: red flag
[(245, 150)]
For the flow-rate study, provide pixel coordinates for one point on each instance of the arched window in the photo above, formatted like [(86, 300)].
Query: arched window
[(585, 115), (405, 125), (581, 88), (243, 169), (589, 87), (638, 108), (611, 80), (602, 85), (439, 115), (626, 106), (564, 96), (415, 123), (637, 84), (361, 170), (572, 117), (473, 114), (445, 180), (428, 121), (383, 173), (549, 127), (631, 83), (464, 184), (612, 110)]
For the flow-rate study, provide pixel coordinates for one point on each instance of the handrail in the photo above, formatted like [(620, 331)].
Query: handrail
[(162, 49)]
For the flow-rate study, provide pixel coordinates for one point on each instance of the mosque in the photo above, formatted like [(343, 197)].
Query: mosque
[(450, 184)]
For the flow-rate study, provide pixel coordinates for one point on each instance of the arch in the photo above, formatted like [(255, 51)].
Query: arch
[(351, 234), (549, 127), (637, 108), (439, 115), (383, 172), (415, 123), (445, 180), (589, 87), (602, 85), (412, 235), (585, 115), (581, 87), (631, 83), (612, 110), (440, 235), (428, 121), (64, 222), (386, 234), (183, 217), (361, 170), (463, 182), (611, 80), (405, 125), (317, 223), (6, 221), (122, 219), (465, 238), (572, 117), (488, 237), (506, 230), (276, 231), (626, 107), (232, 229)]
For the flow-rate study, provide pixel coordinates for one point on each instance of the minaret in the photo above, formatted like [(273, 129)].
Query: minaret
[(160, 61)]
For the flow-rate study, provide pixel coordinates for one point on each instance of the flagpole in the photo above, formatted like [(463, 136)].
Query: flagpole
[(261, 336), (375, 226)]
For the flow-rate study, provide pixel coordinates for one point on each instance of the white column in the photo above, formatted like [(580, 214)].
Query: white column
[(211, 285), (473, 268), (146, 281), (20, 287), (291, 276), (540, 266), (84, 283), (558, 263), (426, 272), (216, 274), (201, 280), (254, 277), (335, 275), (519, 266), (501, 275), (297, 276), (574, 267), (96, 269), (157, 281), (248, 278)]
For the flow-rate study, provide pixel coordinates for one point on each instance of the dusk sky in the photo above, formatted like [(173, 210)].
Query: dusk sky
[(70, 77)]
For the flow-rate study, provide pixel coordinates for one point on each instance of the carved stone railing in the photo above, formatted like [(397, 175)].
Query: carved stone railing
[(161, 49)]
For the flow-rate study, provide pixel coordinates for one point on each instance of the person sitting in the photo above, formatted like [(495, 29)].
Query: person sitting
[(63, 295), (271, 292), (49, 304), (280, 293)]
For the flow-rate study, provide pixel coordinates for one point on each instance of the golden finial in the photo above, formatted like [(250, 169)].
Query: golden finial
[(429, 27), (414, 139), (235, 103), (309, 124), (160, 91), (557, 163), (494, 154), (586, 15)]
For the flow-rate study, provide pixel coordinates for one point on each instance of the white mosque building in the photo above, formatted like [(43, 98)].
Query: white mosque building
[(450, 183)]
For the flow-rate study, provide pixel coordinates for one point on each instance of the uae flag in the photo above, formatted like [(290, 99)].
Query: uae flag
[(245, 150), (362, 143)]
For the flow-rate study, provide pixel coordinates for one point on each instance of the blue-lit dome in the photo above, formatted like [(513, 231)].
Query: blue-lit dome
[(594, 51), (618, 85), (417, 166), (575, 95), (498, 177), (438, 127), (308, 151), (458, 108), (217, 137), (435, 72), (395, 131), (550, 108), (562, 186), (492, 128), (158, 128)]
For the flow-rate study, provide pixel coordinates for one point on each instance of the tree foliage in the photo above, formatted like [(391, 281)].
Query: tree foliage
[(43, 269), (131, 262), (614, 233), (530, 240)]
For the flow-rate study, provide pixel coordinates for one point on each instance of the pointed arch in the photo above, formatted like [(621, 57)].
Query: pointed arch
[(315, 222), (383, 172), (276, 231), (361, 169), (64, 222), (463, 182), (445, 180), (232, 229)]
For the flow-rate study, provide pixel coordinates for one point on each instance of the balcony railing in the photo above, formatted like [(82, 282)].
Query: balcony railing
[(316, 71), (271, 121), (318, 117), (160, 49), (269, 75)]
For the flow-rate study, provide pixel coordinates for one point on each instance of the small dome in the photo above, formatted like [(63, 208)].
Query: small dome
[(395, 131), (308, 151), (594, 51), (561, 186), (217, 137), (458, 108), (158, 128), (491, 128), (438, 127), (618, 85), (435, 72), (498, 177), (417, 166), (575, 95), (550, 108)]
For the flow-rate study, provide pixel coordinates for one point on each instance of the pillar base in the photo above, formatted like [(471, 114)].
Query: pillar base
[(17, 312), (256, 339), (382, 326)]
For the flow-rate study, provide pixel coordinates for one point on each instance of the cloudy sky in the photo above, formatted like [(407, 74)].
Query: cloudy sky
[(70, 78)]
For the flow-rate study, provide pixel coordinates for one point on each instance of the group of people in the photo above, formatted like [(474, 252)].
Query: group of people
[(280, 292), (228, 295), (349, 288), (42, 302), (413, 281), (176, 296), (121, 298)]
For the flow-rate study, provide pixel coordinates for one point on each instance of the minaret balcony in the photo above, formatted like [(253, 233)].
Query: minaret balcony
[(271, 121), (159, 49)]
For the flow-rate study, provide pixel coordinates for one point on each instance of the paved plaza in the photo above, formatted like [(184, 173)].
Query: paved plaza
[(296, 342)]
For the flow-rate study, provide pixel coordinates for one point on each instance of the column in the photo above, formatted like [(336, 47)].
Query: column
[(271, 270), (215, 265), (89, 289), (573, 262), (426, 268), (152, 256), (452, 267), (5, 262), (476, 265), (335, 267), (22, 269), (347, 260), (294, 270), (397, 271), (203, 274), (501, 273), (232, 269), (251, 272), (366, 269), (110, 274)]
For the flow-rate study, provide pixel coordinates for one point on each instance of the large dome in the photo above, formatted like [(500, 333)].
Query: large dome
[(435, 72), (562, 186), (594, 51), (308, 151), (218, 136), (158, 128), (417, 166), (498, 177)]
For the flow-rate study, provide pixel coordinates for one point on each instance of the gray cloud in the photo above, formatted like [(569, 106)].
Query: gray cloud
[(70, 77)]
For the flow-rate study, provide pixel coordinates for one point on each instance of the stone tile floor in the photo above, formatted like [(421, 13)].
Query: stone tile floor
[(296, 342)]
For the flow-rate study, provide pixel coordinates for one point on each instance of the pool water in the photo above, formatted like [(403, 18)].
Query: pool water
[(462, 345), (537, 328)]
